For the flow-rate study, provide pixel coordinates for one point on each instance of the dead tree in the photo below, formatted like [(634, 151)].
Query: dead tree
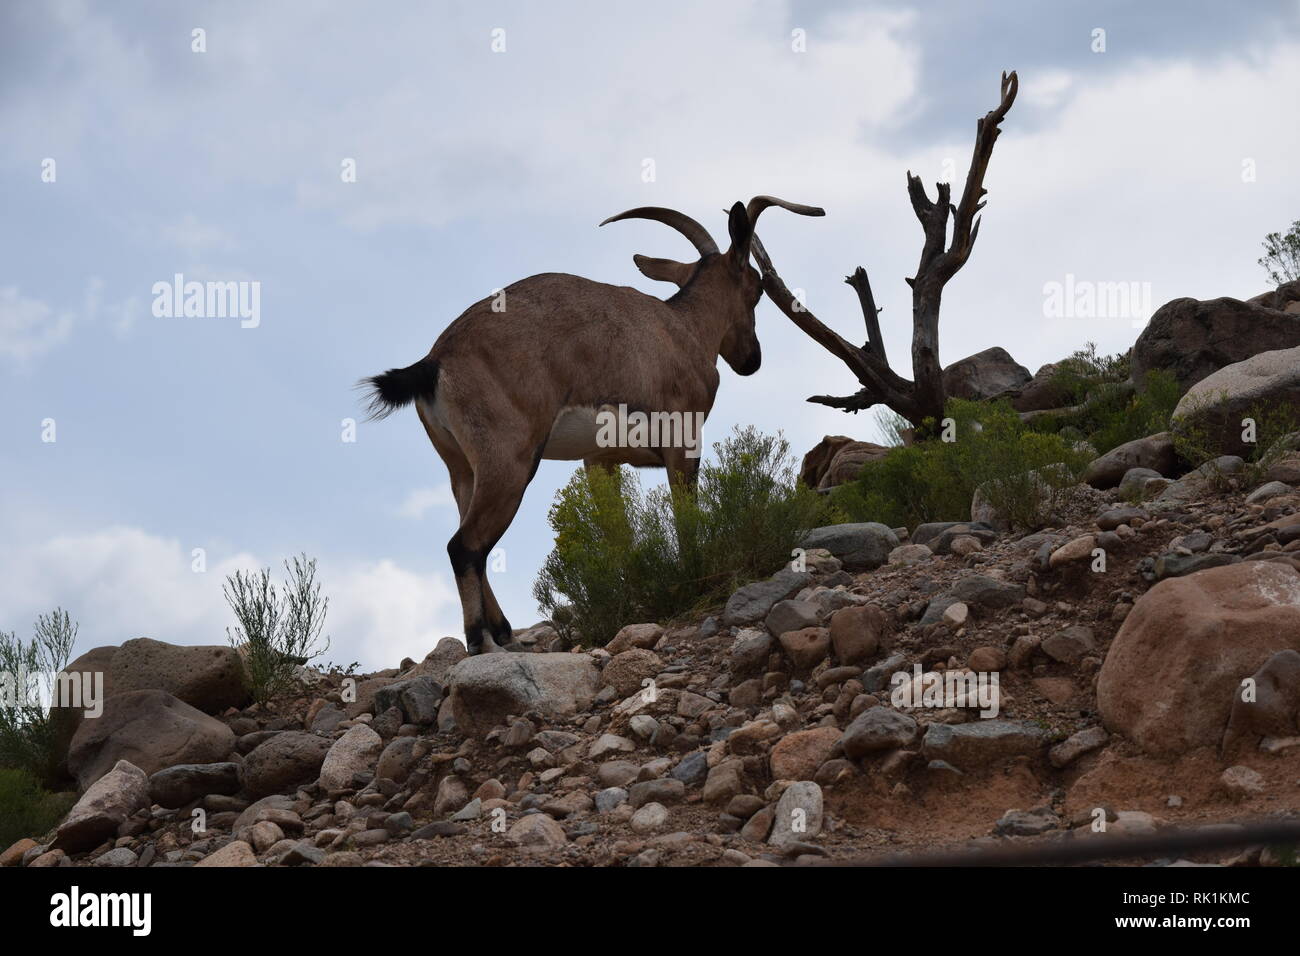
[(923, 397)]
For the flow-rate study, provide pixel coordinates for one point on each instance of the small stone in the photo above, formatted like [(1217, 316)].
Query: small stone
[(649, 818), (1241, 782), (1079, 549)]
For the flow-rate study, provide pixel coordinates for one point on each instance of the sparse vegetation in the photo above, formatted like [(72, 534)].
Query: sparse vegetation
[(1020, 471), (623, 554), (1281, 259), (1104, 409), (278, 629), (26, 808), (28, 669)]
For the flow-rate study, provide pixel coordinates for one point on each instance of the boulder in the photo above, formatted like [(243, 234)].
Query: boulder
[(984, 375), (1155, 452), (94, 666), (184, 783), (449, 652), (113, 797), (1176, 665), (355, 752), (1193, 338), (283, 762), (1285, 297), (210, 677), (1265, 383), (487, 688), (860, 545), (836, 460), (151, 729), (1041, 393)]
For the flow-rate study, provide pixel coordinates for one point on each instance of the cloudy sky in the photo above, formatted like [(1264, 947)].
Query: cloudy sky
[(488, 139)]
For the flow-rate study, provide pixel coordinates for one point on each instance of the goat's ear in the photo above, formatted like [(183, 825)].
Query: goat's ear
[(664, 270), (741, 230)]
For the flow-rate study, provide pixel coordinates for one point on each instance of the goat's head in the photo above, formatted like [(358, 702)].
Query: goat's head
[(731, 287)]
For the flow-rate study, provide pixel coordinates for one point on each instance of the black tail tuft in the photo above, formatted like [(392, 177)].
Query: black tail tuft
[(398, 387)]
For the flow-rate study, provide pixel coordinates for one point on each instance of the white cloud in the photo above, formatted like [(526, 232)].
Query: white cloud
[(29, 327), (421, 501), (123, 582)]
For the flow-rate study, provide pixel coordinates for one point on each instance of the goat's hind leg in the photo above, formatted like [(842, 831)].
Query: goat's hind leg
[(498, 489)]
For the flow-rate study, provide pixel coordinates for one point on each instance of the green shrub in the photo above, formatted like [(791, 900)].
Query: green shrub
[(27, 733), (1021, 471), (1201, 436), (622, 554), (277, 631), (27, 810), (1113, 413)]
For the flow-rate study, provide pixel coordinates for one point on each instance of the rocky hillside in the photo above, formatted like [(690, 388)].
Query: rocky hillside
[(771, 730)]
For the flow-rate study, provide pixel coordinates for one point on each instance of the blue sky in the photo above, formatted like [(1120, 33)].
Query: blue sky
[(476, 168)]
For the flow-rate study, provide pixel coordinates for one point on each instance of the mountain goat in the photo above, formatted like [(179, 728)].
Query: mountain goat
[(538, 370)]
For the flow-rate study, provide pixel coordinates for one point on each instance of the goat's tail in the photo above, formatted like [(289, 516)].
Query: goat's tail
[(398, 387)]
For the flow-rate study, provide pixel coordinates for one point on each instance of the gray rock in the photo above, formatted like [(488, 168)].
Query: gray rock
[(208, 677), (610, 798), (117, 857), (177, 786), (1027, 822), (875, 729), (752, 603), (863, 544), (284, 761), (417, 697), (1266, 491), (799, 814), (150, 729), (1076, 745), (749, 652), (1179, 565), (1154, 452), (355, 752), (106, 805), (791, 616), (1132, 485), (984, 375), (1193, 338), (487, 688), (982, 742)]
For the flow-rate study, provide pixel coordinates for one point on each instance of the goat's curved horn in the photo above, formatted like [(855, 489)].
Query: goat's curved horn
[(759, 203), (688, 227)]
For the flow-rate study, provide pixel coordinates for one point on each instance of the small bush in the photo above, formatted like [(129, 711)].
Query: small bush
[(277, 630), (1020, 471), (26, 809), (27, 734), (1201, 436), (622, 554)]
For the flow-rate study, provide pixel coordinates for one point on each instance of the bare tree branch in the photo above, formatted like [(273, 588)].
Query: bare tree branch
[(924, 396)]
